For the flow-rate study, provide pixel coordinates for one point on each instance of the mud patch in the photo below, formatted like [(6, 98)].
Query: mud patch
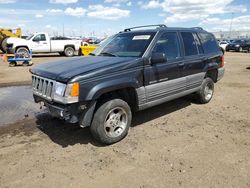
[(17, 104)]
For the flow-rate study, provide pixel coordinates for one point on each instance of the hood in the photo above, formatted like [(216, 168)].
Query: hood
[(65, 70), (12, 40)]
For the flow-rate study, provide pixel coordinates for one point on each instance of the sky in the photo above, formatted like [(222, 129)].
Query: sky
[(106, 17)]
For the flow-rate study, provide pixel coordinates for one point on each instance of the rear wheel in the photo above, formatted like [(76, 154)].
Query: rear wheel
[(111, 121), (205, 94), (69, 51)]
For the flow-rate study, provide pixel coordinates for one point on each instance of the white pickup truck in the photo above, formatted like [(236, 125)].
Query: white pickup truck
[(42, 43)]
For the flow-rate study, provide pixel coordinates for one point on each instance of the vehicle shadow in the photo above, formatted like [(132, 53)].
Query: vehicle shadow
[(65, 134)]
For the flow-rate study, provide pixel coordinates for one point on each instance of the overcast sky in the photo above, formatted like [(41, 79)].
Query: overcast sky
[(97, 17)]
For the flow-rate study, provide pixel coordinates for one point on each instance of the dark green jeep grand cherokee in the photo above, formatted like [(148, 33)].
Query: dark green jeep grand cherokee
[(133, 70)]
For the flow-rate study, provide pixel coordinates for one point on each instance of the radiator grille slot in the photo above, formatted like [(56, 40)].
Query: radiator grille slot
[(43, 87)]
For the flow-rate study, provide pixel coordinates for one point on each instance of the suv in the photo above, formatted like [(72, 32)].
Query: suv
[(239, 46), (134, 70)]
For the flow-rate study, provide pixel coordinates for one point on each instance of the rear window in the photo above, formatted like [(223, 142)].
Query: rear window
[(208, 42)]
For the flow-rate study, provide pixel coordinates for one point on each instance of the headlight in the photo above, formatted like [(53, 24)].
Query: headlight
[(237, 45), (66, 93)]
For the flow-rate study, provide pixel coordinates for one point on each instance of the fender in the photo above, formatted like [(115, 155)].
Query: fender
[(210, 66), (111, 85)]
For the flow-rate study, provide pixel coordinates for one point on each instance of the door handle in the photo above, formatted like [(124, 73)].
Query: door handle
[(45, 43), (181, 64)]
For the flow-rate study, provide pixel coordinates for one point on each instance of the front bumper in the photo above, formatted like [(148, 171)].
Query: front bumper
[(81, 112), (221, 72)]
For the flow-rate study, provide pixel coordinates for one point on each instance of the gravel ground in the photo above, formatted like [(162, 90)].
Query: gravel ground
[(176, 144)]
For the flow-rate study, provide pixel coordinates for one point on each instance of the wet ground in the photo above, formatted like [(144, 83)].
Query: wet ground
[(16, 104)]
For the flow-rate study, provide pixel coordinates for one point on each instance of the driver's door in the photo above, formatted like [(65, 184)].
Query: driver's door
[(165, 79), (40, 43)]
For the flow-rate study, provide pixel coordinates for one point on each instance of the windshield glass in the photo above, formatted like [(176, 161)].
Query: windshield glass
[(29, 37), (125, 45)]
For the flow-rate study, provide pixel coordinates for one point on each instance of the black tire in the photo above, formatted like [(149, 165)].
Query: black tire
[(4, 44), (12, 64), (108, 125), (26, 63), (69, 51), (24, 51), (205, 94), (1, 46)]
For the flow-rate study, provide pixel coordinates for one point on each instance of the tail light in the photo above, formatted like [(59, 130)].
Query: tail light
[(222, 63)]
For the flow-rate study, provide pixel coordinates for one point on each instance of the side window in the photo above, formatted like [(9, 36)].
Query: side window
[(189, 44), (168, 43), (208, 42), (197, 41), (40, 37)]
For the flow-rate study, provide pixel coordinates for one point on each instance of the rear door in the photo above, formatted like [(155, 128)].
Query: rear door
[(194, 58), (165, 79)]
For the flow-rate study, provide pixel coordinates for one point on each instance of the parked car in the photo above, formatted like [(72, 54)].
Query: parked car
[(42, 43), (239, 46), (223, 44), (135, 70)]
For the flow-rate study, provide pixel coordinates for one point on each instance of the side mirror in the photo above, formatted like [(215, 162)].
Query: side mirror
[(158, 58)]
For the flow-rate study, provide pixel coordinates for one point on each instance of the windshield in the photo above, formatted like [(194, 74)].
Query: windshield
[(29, 37), (125, 45)]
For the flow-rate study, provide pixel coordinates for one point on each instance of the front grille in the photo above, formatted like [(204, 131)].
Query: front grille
[(43, 87)]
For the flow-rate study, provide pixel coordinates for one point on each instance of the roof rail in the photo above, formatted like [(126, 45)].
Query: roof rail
[(157, 26), (198, 28)]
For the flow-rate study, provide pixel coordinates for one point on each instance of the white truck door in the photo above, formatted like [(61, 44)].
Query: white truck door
[(40, 43)]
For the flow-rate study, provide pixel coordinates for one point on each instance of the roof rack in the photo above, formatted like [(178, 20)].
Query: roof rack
[(198, 28), (157, 26)]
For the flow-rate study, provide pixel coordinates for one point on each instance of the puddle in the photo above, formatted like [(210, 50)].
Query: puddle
[(16, 103)]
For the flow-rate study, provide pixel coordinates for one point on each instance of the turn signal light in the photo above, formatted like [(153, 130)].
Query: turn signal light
[(75, 90)]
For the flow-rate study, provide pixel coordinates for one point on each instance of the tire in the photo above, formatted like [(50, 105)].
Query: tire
[(26, 63), (205, 94), (4, 44), (69, 51), (1, 45), (111, 121), (12, 64), (24, 51)]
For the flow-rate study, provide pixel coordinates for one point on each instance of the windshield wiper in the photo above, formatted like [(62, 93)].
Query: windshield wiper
[(108, 54)]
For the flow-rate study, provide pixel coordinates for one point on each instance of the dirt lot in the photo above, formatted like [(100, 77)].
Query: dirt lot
[(176, 144)]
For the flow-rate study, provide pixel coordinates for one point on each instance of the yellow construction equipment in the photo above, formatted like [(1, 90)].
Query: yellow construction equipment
[(5, 34)]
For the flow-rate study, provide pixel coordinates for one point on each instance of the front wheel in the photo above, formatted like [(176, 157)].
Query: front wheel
[(23, 51), (111, 121), (205, 94), (69, 51)]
